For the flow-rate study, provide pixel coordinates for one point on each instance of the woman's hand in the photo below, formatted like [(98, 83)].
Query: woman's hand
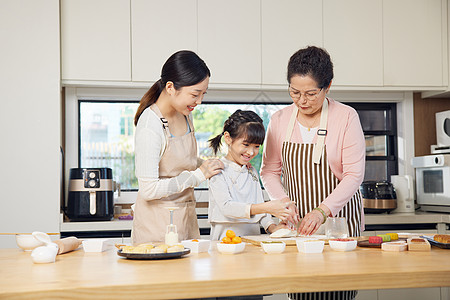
[(310, 223), (211, 167)]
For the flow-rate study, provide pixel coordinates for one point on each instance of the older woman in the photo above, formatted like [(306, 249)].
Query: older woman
[(315, 152)]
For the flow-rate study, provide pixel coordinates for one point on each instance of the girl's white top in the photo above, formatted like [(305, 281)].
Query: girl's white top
[(231, 194)]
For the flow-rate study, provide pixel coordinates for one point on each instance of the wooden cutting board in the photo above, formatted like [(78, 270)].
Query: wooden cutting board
[(257, 239)]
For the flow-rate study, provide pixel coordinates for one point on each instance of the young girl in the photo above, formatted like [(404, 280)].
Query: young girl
[(166, 150), (235, 196)]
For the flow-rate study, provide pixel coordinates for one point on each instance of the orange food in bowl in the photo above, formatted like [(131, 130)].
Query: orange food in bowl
[(195, 240), (230, 234), (226, 240), (236, 240)]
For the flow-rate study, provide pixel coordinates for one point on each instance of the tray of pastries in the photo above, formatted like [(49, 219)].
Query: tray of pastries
[(150, 251), (439, 240)]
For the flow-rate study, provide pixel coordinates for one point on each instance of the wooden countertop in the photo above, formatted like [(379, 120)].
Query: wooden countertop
[(80, 275)]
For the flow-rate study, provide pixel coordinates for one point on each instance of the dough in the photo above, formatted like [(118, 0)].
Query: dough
[(284, 233)]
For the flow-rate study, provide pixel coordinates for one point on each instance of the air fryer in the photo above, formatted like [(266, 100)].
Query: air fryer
[(91, 194)]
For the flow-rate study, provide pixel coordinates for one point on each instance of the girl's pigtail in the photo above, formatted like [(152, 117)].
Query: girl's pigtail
[(215, 143)]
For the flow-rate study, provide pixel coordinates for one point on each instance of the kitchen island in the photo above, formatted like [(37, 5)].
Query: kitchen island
[(105, 275)]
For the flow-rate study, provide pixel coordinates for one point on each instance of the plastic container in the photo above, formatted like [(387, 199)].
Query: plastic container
[(273, 247), (197, 247), (95, 245), (230, 248), (310, 246), (343, 244)]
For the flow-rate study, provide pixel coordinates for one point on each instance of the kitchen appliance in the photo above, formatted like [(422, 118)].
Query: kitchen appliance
[(378, 196), (433, 182), (405, 191), (91, 194), (443, 128)]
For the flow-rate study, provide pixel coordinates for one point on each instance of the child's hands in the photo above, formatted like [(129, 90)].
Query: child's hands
[(272, 228), (283, 209), (211, 167)]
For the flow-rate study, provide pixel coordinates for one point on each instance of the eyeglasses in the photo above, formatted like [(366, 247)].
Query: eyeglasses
[(309, 95)]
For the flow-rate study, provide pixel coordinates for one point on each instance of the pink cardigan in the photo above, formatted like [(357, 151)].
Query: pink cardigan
[(345, 146)]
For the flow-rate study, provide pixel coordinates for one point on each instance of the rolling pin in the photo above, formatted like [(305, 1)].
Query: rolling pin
[(67, 244)]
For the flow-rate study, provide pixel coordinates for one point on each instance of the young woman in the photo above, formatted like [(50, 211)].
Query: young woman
[(166, 161), (235, 196)]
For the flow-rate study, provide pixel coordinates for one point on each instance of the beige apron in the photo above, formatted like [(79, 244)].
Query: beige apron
[(308, 180), (151, 216)]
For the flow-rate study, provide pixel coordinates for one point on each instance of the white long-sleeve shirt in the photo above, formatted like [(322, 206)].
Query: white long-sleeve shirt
[(150, 143), (231, 194)]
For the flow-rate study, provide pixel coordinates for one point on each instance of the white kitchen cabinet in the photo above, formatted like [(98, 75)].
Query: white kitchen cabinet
[(155, 34), (287, 26), (353, 36), (229, 40), (30, 117), (413, 38), (95, 40)]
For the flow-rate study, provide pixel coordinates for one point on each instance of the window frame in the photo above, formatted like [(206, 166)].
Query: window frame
[(72, 94), (391, 135)]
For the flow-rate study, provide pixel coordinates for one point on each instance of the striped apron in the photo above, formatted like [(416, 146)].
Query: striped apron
[(308, 180)]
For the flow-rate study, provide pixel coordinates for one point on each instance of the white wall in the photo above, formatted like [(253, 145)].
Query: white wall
[(30, 117)]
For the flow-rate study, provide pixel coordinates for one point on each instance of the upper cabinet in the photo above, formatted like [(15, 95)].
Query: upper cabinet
[(413, 38), (95, 40), (287, 26), (353, 36), (157, 34), (229, 40), (374, 44)]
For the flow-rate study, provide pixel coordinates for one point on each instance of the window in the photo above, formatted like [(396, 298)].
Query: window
[(106, 138), (106, 134), (379, 124)]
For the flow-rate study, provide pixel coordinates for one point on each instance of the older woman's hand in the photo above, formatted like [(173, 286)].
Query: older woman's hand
[(310, 223)]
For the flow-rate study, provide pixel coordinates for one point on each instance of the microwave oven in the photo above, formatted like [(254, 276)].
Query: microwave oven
[(433, 182), (443, 128)]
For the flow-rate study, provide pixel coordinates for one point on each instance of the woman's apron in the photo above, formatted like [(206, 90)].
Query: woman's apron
[(151, 216), (308, 180)]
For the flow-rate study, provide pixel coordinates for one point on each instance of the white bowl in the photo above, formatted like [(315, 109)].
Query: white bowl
[(197, 247), (342, 245), (27, 242), (230, 248), (309, 245), (45, 254), (273, 247), (95, 245)]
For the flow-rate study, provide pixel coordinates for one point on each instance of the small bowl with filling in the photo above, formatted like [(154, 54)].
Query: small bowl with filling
[(197, 245), (342, 244), (273, 247), (310, 245)]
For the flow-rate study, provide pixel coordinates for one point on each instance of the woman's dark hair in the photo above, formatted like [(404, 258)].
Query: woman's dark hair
[(183, 68), (312, 61), (242, 123)]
